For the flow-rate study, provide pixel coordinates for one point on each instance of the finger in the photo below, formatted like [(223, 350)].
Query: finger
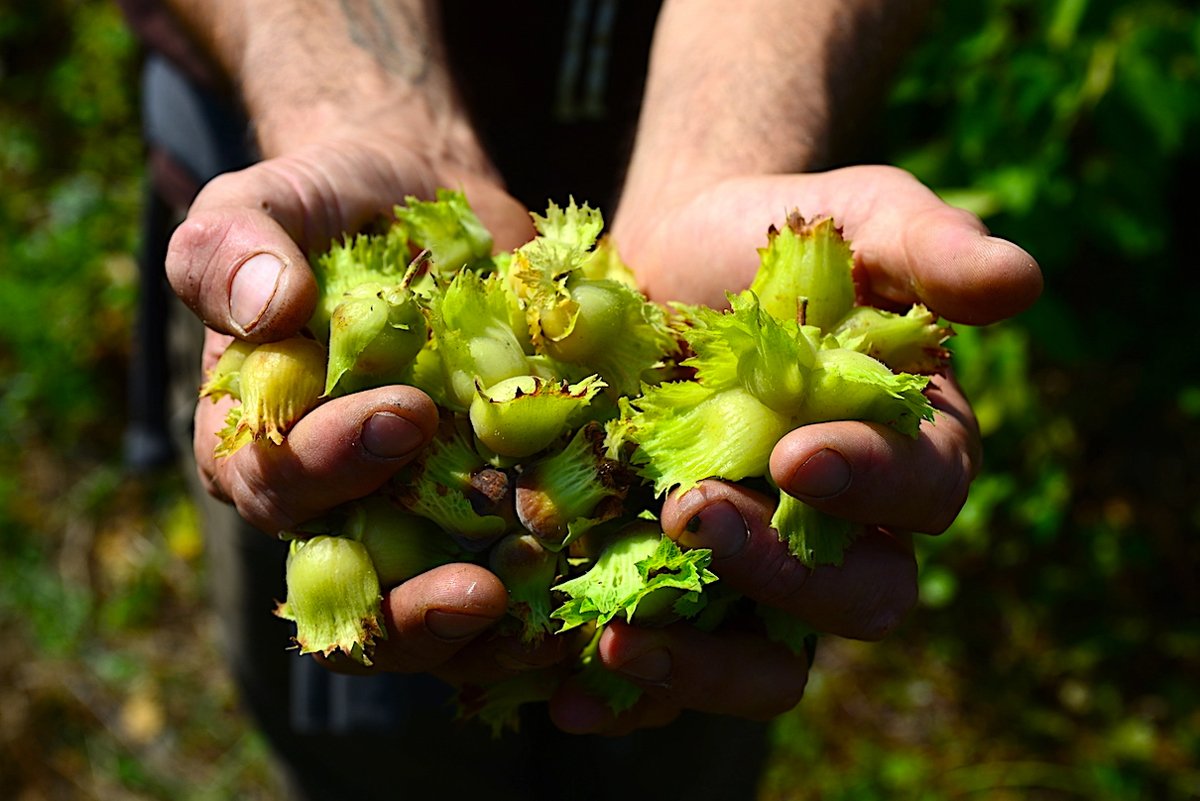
[(432, 617), (236, 265), (872, 473), (499, 656), (732, 672), (577, 710), (912, 246), (238, 261), (864, 598), (342, 450)]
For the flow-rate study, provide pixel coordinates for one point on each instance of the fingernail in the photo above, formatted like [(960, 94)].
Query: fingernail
[(387, 435), (653, 667), (718, 527), (823, 475), (253, 286), (454, 626)]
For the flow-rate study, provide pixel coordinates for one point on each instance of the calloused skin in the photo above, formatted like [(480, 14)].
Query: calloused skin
[(910, 247)]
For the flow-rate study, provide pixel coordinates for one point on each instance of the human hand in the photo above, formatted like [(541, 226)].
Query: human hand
[(910, 247), (239, 261)]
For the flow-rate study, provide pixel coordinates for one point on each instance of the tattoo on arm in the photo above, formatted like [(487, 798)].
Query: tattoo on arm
[(392, 35)]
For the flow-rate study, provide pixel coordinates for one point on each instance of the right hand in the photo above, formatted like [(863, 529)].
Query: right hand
[(238, 261)]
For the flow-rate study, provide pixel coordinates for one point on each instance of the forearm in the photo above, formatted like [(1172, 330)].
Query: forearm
[(760, 87), (310, 69)]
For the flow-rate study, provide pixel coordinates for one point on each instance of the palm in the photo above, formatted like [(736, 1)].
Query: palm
[(909, 244)]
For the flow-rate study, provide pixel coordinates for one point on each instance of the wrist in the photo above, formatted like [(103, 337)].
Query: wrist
[(315, 71), (445, 142)]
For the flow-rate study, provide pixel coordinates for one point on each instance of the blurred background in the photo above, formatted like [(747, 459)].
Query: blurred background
[(1056, 650)]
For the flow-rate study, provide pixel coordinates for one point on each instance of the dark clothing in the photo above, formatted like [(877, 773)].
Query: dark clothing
[(556, 125)]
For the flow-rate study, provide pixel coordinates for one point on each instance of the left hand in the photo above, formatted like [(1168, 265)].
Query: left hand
[(909, 247)]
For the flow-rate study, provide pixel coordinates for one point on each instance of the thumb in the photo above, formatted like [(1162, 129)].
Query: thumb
[(241, 274), (238, 260)]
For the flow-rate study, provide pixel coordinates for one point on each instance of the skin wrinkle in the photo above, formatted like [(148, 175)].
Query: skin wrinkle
[(441, 129), (706, 684), (196, 274), (972, 455), (286, 470), (884, 615), (776, 590), (966, 451), (305, 226), (258, 503), (400, 653), (711, 493)]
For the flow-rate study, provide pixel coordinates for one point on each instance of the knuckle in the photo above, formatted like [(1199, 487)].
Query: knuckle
[(261, 505), (885, 612), (780, 580), (787, 696), (952, 495), (193, 258)]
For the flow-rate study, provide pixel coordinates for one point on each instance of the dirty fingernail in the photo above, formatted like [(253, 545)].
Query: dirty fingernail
[(823, 475), (387, 435), (253, 286), (454, 626), (719, 527)]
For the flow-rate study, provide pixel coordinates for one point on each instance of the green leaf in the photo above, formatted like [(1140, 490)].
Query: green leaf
[(847, 385), (812, 536), (448, 229), (640, 565), (686, 433)]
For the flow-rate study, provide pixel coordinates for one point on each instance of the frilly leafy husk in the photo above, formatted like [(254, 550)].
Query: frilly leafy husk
[(640, 567), (912, 342), (279, 382), (374, 335), (440, 485), (806, 272), (449, 229), (333, 597), (521, 416)]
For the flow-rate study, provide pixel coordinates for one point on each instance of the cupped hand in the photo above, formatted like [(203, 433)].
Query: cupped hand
[(908, 244), (239, 261), (737, 669), (443, 622), (909, 247)]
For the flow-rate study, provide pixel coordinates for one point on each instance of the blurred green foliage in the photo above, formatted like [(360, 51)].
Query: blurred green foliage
[(1057, 645), (70, 158), (107, 680)]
